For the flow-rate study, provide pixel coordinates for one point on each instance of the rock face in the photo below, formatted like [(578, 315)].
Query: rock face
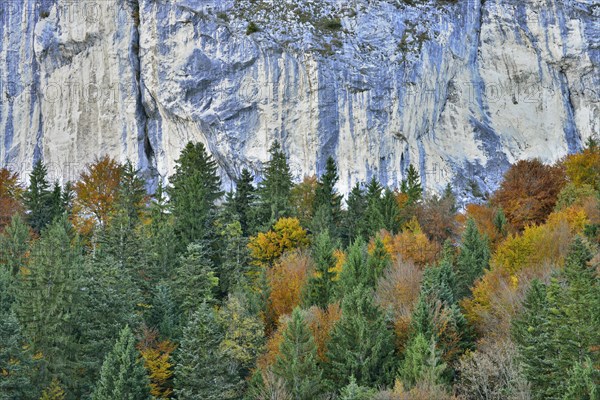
[(460, 89)]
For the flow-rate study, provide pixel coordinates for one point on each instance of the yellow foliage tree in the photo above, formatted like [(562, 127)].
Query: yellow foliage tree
[(287, 234), (584, 168), (412, 244), (157, 361), (321, 322), (286, 280)]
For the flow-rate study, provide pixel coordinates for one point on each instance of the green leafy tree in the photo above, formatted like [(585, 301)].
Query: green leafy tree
[(201, 371), (320, 287), (195, 188), (123, 375), (361, 344), (16, 364), (297, 362), (473, 259), (38, 198), (243, 339), (195, 279), (274, 191)]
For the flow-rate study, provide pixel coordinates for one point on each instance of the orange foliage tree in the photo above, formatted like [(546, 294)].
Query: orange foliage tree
[(286, 280), (529, 192), (96, 194), (412, 244), (321, 322), (11, 193), (287, 234), (398, 291), (517, 260)]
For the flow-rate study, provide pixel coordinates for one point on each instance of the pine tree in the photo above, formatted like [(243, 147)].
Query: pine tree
[(235, 259), (195, 279), (56, 204), (132, 194), (412, 185), (14, 244), (374, 221), (377, 262), (201, 371), (421, 363), (106, 300), (163, 314), (354, 272), (123, 375), (16, 364), (320, 287), (353, 391), (297, 362), (473, 259), (244, 201), (38, 198), (361, 343), (354, 219), (531, 333), (195, 188), (390, 212), (327, 203), (53, 392), (46, 297), (275, 189), (500, 222)]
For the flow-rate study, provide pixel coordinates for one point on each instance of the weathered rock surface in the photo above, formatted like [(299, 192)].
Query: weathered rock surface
[(460, 89)]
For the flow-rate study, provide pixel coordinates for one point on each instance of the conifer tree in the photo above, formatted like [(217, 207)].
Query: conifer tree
[(235, 259), (412, 185), (195, 188), (327, 203), (320, 287), (14, 244), (16, 364), (57, 206), (163, 314), (361, 344), (353, 391), (354, 221), (297, 362), (500, 222), (46, 297), (53, 392), (355, 271), (473, 259), (378, 261), (275, 189), (244, 201), (373, 215), (390, 211), (421, 363), (201, 372), (38, 198), (123, 375), (582, 382), (195, 279)]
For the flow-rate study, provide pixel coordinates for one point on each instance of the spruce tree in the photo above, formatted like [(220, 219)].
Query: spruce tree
[(297, 362), (390, 211), (355, 270), (327, 203), (473, 259), (123, 375), (16, 364), (421, 363), (195, 279), (411, 186), (374, 221), (202, 372), (57, 207), (353, 391), (275, 189), (582, 382), (53, 391), (195, 188), (38, 198), (163, 314), (361, 344), (320, 286), (378, 261), (500, 222), (235, 259), (354, 218), (46, 298), (14, 244), (244, 201)]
